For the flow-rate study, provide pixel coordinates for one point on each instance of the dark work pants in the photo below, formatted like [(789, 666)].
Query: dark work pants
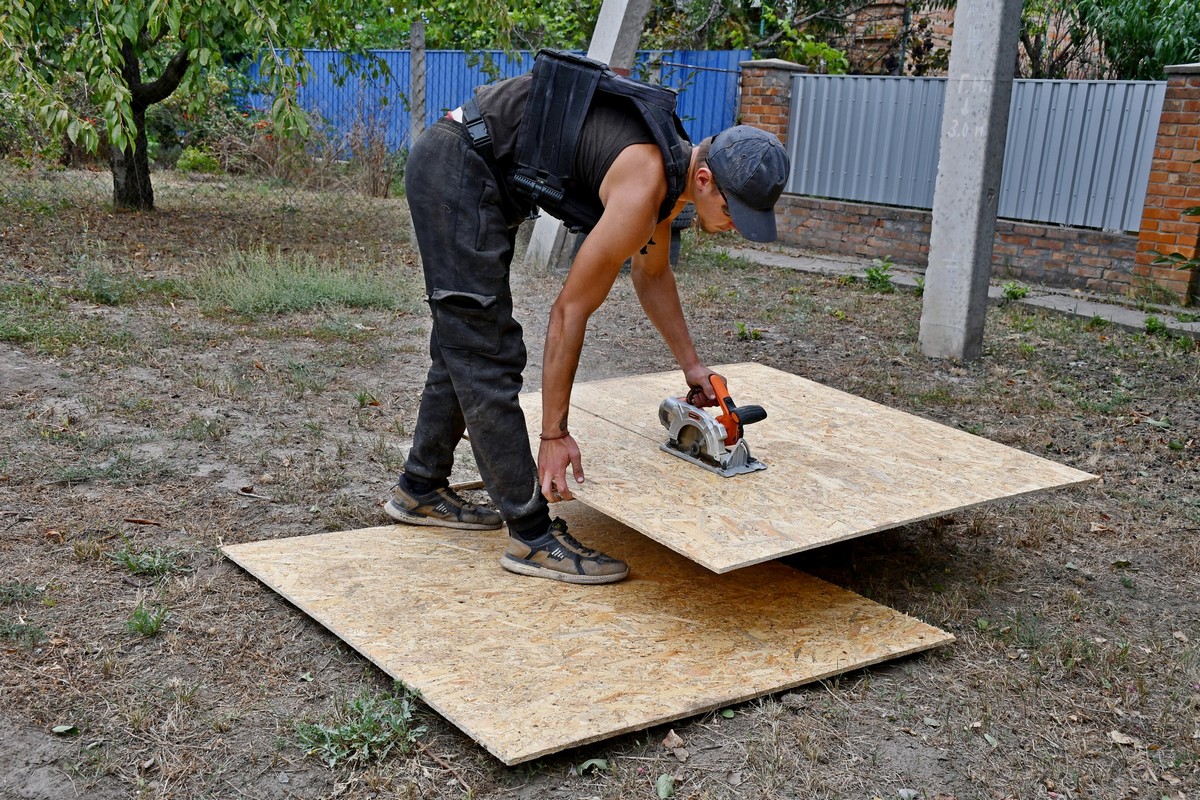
[(466, 232)]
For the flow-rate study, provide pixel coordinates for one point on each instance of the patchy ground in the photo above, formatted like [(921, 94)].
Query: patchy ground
[(139, 422)]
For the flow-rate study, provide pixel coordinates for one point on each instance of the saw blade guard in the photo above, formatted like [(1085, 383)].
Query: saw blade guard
[(692, 431)]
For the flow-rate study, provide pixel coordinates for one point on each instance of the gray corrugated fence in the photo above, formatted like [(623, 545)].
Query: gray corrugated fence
[(1077, 153)]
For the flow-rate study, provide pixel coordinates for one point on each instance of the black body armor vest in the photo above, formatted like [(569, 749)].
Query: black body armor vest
[(563, 88)]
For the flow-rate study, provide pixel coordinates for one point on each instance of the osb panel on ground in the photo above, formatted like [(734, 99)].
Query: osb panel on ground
[(839, 466), (528, 667)]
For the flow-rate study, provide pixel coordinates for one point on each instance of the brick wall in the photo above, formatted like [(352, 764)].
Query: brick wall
[(766, 94), (1051, 255), (1174, 186)]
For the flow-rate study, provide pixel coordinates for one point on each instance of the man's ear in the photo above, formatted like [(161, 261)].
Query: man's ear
[(704, 176)]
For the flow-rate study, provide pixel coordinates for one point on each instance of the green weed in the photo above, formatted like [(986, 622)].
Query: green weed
[(303, 380), (1155, 326), (17, 592), (21, 634), (120, 470), (39, 317), (155, 563), (879, 275), (258, 282), (145, 622), (200, 429), (364, 729), (110, 289), (1014, 291), (748, 334)]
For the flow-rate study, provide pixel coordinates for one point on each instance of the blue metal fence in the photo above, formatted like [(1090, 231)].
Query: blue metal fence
[(706, 81)]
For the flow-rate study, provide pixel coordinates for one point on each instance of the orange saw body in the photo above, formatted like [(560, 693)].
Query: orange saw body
[(711, 440)]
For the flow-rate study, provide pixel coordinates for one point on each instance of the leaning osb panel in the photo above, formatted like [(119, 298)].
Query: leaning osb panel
[(839, 466), (528, 667)]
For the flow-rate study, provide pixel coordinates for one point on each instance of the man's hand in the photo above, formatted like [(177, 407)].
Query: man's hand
[(553, 457), (700, 384)]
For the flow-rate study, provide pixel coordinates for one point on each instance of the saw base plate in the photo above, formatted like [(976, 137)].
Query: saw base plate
[(752, 465)]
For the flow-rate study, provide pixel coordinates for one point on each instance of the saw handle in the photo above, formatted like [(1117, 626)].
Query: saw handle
[(732, 416)]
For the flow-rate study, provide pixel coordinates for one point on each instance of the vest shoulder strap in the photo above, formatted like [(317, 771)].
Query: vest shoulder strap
[(564, 85)]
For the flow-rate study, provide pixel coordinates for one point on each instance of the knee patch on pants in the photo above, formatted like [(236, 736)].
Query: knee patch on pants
[(466, 321)]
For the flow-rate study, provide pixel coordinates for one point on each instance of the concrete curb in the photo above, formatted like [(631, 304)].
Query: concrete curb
[(1056, 301)]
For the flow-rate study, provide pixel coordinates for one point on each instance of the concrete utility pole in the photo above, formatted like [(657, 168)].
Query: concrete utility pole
[(615, 42), (416, 74), (974, 126)]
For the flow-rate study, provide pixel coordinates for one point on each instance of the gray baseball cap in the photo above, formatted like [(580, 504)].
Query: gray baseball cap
[(751, 168)]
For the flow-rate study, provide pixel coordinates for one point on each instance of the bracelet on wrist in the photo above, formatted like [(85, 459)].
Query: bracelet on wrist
[(546, 438)]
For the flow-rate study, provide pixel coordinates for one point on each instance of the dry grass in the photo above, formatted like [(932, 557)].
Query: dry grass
[(167, 427)]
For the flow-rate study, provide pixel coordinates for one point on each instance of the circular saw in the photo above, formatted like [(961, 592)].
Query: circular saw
[(712, 441)]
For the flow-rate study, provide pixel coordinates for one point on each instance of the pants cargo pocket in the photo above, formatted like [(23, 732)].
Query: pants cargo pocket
[(466, 321)]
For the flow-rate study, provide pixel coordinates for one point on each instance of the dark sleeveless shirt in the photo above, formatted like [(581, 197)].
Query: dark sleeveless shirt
[(610, 127)]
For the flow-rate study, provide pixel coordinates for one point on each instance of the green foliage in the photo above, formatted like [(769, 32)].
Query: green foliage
[(480, 24), (90, 69), (194, 159), (793, 31), (154, 563), (17, 592), (146, 622), (1122, 39), (879, 275), (21, 634), (364, 729), (1179, 260), (1155, 326), (1014, 291), (1139, 38)]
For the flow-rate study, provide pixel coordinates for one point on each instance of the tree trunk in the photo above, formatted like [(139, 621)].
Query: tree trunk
[(131, 169)]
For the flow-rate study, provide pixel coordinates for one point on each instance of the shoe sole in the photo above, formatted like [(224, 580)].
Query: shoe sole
[(522, 567), (403, 515)]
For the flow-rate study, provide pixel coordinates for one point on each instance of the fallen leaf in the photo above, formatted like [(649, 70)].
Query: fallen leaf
[(592, 765), (1181, 636), (991, 740), (908, 794), (1120, 738), (681, 754), (672, 740), (140, 521), (665, 786), (931, 722), (64, 730), (735, 779), (1098, 527), (727, 713)]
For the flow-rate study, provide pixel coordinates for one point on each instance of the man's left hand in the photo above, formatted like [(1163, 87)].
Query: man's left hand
[(553, 457)]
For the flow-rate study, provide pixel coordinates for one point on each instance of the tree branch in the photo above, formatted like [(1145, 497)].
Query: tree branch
[(168, 82), (826, 13)]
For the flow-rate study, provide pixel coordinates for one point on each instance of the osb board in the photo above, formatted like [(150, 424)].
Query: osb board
[(528, 667), (838, 467)]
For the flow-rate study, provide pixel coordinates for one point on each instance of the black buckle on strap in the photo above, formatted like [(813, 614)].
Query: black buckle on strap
[(481, 140)]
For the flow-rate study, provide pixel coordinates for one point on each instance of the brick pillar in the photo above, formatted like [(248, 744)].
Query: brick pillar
[(1174, 186), (767, 94)]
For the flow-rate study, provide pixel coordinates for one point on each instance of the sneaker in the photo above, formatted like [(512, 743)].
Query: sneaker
[(558, 556), (440, 507)]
